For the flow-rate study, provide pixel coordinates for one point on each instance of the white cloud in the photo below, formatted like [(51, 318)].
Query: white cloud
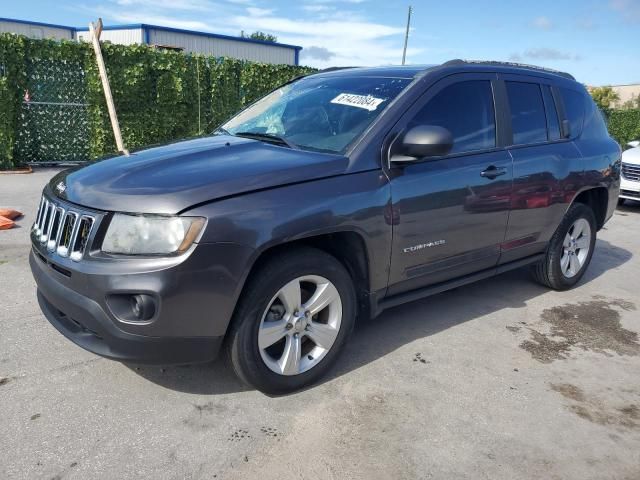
[(543, 23), (544, 53), (629, 9), (185, 5), (161, 20), (259, 12), (333, 36), (342, 29)]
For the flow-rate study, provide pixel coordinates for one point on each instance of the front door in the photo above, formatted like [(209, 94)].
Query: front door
[(451, 213)]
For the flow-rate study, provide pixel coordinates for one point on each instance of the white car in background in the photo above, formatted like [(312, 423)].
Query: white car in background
[(630, 184)]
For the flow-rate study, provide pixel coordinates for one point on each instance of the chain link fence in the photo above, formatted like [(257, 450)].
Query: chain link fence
[(54, 121)]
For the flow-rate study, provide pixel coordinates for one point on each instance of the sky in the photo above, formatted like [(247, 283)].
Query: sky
[(595, 40)]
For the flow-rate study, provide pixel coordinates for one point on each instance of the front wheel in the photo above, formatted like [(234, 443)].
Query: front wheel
[(570, 249), (292, 322)]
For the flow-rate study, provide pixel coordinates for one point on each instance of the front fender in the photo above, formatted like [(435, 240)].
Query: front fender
[(356, 202)]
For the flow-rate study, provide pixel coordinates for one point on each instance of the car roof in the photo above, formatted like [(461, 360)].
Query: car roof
[(413, 71), (390, 71)]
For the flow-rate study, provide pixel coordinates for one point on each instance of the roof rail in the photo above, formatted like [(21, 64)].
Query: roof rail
[(333, 69), (507, 64)]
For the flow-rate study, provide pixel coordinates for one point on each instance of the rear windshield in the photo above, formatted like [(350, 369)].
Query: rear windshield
[(319, 113)]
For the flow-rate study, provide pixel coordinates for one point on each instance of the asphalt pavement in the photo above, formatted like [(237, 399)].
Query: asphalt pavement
[(502, 379)]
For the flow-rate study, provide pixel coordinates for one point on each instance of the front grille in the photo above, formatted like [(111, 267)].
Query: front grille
[(631, 172), (63, 231)]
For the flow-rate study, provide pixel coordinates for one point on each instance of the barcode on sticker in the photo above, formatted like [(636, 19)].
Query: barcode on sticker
[(360, 101)]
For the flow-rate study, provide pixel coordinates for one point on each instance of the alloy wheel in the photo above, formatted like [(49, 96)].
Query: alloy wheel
[(300, 325), (575, 247)]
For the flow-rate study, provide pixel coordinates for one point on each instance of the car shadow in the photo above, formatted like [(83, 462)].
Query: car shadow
[(399, 326), (629, 206)]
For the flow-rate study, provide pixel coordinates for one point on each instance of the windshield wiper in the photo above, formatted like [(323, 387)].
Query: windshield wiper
[(268, 137), (222, 131)]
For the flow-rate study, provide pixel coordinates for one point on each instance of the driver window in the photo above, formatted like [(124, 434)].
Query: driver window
[(466, 110)]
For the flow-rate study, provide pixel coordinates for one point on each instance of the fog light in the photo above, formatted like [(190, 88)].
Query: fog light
[(143, 307), (133, 307)]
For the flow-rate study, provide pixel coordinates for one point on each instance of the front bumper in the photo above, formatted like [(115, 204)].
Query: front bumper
[(196, 297), (629, 189)]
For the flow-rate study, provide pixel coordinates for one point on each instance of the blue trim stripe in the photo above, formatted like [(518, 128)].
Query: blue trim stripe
[(38, 24), (193, 32)]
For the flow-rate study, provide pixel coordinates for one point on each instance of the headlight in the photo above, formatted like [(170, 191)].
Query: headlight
[(151, 234)]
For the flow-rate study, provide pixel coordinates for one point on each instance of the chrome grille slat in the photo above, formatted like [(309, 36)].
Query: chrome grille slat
[(46, 221), (62, 231), (68, 228), (631, 172), (36, 225)]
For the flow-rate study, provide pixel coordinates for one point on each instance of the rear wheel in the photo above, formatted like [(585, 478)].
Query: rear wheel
[(570, 249), (292, 322), (621, 201)]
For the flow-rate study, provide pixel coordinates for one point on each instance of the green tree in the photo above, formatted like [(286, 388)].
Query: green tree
[(265, 37), (604, 97)]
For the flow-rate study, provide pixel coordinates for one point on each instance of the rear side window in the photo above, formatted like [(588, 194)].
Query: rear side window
[(553, 124), (466, 110), (528, 120), (574, 109)]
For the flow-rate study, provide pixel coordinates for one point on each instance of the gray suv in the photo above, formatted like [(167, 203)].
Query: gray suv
[(332, 198)]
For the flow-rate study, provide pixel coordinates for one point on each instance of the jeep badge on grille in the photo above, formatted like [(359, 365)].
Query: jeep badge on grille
[(61, 187)]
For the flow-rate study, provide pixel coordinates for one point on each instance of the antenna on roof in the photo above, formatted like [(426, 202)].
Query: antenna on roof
[(406, 35)]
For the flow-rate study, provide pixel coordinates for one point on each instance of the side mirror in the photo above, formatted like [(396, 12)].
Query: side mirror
[(423, 141), (634, 144)]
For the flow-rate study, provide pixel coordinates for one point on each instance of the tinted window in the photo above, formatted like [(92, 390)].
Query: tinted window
[(466, 110), (595, 125), (574, 109), (553, 125), (528, 121)]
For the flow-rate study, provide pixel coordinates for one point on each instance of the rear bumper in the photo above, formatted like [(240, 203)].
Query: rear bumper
[(85, 323)]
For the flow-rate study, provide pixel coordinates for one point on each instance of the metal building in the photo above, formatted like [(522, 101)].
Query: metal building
[(199, 42), (188, 41), (36, 29)]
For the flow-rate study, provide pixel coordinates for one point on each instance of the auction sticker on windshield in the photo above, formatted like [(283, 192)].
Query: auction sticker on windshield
[(360, 101)]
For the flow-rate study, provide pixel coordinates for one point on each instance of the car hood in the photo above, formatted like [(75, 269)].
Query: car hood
[(172, 178), (631, 156)]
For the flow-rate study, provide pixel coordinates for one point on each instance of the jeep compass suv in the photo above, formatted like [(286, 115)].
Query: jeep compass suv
[(336, 196)]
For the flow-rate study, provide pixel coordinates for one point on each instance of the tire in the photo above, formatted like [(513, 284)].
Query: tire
[(266, 307), (555, 271), (621, 201)]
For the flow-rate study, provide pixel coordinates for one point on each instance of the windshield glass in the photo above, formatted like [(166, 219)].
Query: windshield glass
[(318, 113)]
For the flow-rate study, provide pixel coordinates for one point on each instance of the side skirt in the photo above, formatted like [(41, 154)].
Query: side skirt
[(379, 305)]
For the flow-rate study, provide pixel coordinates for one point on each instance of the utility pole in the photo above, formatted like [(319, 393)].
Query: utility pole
[(406, 35)]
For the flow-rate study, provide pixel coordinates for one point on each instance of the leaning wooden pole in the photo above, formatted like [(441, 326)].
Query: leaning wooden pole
[(95, 32)]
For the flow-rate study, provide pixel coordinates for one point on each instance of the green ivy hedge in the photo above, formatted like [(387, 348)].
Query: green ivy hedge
[(624, 125), (159, 95)]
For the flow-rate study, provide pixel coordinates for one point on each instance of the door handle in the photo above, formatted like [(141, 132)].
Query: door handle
[(493, 172)]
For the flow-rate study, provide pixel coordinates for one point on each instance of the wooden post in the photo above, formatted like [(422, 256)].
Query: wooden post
[(95, 32)]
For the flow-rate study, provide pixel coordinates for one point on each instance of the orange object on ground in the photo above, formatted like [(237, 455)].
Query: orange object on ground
[(6, 224), (10, 213)]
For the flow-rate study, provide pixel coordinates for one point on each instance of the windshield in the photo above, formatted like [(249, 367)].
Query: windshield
[(317, 113)]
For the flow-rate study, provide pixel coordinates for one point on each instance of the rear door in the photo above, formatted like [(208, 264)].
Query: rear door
[(547, 166), (450, 213)]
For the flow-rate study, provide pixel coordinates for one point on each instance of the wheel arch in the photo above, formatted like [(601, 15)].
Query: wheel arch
[(348, 247), (596, 198)]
